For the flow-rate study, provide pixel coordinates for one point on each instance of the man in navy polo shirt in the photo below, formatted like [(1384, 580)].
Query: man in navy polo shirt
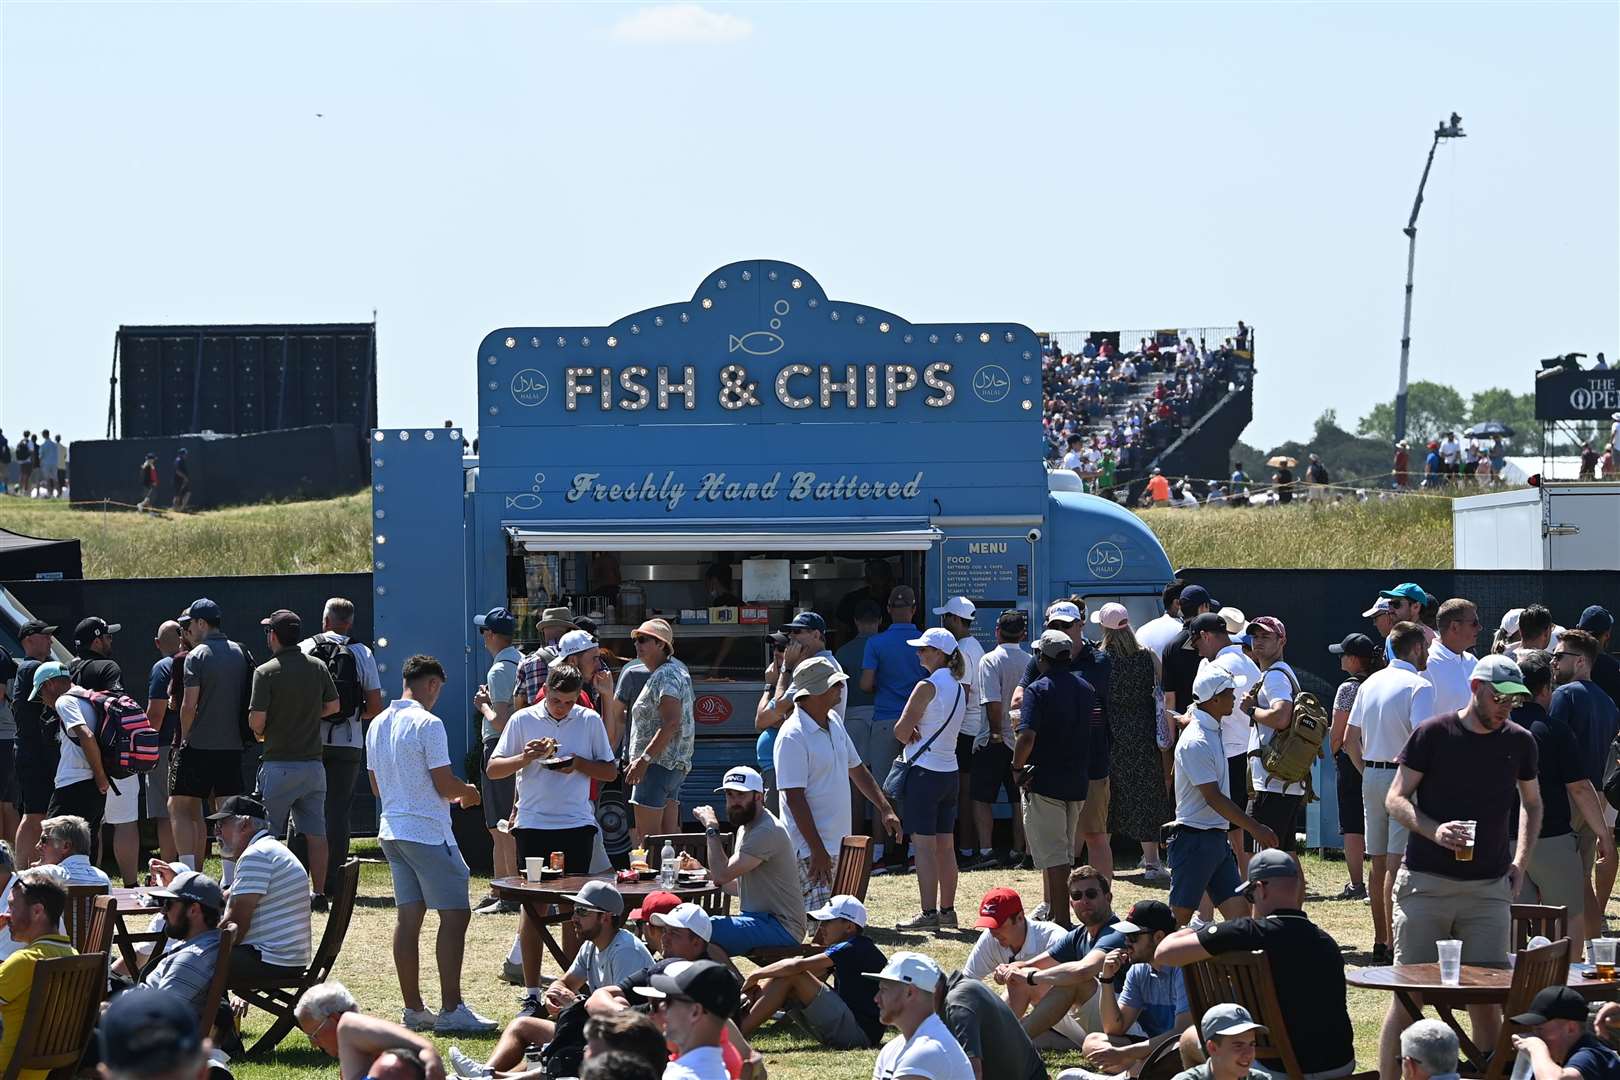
[(889, 671)]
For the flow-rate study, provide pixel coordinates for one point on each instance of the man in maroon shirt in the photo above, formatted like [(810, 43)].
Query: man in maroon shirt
[(1460, 776)]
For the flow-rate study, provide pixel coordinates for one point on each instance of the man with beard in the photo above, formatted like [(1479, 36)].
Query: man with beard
[(696, 1004), (269, 901), (192, 904), (608, 954), (763, 873)]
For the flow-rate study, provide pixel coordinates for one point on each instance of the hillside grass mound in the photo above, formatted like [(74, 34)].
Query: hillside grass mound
[(1405, 533)]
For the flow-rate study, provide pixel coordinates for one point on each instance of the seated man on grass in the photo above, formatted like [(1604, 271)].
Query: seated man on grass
[(843, 1016)]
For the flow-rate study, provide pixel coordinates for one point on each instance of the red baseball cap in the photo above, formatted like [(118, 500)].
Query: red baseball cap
[(998, 906), (1269, 623), (656, 903)]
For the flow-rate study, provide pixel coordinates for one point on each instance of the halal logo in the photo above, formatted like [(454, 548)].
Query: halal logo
[(1105, 560), (529, 387), (991, 383)]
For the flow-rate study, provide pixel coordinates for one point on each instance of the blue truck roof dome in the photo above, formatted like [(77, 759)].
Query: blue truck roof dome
[(1098, 543)]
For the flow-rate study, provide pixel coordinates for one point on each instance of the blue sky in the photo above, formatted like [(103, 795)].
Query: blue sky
[(1065, 166)]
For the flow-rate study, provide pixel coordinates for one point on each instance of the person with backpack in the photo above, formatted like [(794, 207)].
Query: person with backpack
[(292, 693), (1275, 803), (354, 673), (81, 777), (149, 481)]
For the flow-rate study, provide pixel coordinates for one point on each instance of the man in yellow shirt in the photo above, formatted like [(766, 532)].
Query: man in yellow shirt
[(37, 902)]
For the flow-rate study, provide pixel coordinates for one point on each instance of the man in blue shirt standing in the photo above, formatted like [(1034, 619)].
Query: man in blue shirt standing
[(1051, 761), (1594, 720), (889, 671)]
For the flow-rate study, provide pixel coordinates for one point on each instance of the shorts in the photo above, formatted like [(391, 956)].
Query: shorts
[(1430, 908), (991, 773), (431, 874), (929, 805), (964, 754), (830, 1022), (739, 934), (1385, 835), (1556, 876), (123, 806), (83, 799), (816, 895), (1352, 814), (659, 787), (200, 774), (36, 779), (1049, 829), (1277, 812), (8, 770), (1586, 841), (295, 789), (578, 846), (1237, 778), (879, 749), (1201, 861), (157, 786), (1094, 815), (497, 796)]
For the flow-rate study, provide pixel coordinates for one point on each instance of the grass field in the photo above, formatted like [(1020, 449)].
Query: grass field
[(365, 966), (1409, 533)]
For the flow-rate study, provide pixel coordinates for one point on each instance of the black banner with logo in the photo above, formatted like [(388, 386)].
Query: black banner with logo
[(1577, 395)]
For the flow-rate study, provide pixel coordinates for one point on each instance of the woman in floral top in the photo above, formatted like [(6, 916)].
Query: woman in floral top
[(661, 730)]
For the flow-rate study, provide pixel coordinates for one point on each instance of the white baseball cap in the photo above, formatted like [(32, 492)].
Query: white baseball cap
[(742, 778), (913, 969), (1236, 621), (1212, 679), (1062, 611), (1111, 616), (960, 606), (1510, 621), (687, 917), (575, 641), (938, 637), (1382, 604), (842, 906)]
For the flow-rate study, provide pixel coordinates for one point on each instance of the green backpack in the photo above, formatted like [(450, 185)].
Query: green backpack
[(1292, 751)]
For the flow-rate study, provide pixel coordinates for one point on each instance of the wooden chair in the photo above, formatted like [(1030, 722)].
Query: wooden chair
[(854, 870), (216, 987), (278, 996), (1551, 922), (98, 937), (63, 1003), (1533, 970), (78, 913)]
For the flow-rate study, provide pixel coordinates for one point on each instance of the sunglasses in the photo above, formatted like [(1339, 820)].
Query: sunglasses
[(1085, 894), (1508, 699), (1561, 655)]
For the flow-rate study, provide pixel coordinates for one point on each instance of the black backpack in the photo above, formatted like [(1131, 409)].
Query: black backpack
[(344, 667)]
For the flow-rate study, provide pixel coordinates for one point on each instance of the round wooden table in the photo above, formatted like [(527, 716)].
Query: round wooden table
[(548, 903)]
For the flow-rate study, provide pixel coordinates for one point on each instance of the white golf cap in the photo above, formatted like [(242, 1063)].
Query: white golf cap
[(1510, 621), (742, 778), (913, 969), (1062, 611), (1382, 604), (960, 606), (575, 641), (686, 917), (842, 906), (1236, 622), (1111, 616), (938, 637), (1212, 679)]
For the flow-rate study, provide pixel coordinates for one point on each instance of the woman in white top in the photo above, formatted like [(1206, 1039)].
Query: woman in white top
[(927, 731)]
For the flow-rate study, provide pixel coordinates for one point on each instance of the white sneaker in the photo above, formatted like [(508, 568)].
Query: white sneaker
[(1197, 921), (465, 1066), (419, 1019), (463, 1021), (1042, 911)]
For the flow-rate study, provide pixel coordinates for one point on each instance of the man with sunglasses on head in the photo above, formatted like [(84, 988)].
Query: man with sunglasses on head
[(1461, 776)]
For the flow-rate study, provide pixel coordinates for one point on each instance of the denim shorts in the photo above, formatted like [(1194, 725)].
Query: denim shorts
[(434, 874), (658, 787), (929, 806), (296, 789), (738, 934), (1200, 862)]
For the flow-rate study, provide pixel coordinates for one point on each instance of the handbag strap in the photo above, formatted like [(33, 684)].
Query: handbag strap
[(923, 749)]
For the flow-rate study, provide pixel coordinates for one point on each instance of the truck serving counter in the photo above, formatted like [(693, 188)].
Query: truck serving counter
[(762, 427)]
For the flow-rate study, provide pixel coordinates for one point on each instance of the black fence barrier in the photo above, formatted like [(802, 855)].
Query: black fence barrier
[(1319, 607)]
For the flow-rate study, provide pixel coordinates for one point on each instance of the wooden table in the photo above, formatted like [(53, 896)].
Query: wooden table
[(1416, 985), (132, 905), (548, 905)]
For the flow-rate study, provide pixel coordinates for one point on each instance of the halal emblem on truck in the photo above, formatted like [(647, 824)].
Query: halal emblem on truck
[(711, 709)]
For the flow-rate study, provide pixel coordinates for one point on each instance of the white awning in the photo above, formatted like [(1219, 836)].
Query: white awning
[(808, 537)]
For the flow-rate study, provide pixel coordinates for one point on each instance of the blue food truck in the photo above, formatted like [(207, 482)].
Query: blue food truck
[(723, 462)]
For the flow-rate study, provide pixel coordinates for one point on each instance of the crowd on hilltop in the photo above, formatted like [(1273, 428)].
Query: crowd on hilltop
[(1092, 421), (35, 466)]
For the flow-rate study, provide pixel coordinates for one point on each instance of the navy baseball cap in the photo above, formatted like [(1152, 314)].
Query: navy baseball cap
[(203, 608), (806, 620), (497, 621), (32, 627), (1196, 596), (149, 1032), (1596, 620), (1355, 645)]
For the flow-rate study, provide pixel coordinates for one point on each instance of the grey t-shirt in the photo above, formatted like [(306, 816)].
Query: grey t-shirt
[(219, 669), (987, 1029), (773, 886), (632, 679)]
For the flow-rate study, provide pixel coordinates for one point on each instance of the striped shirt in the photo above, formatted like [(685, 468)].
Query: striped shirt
[(280, 924), (189, 969)]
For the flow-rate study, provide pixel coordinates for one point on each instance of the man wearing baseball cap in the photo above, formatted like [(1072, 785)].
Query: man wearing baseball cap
[(956, 615), (1151, 1006), (150, 1033), (1597, 621), (805, 637), (843, 1016), (999, 675), (1200, 856), (1407, 601), (207, 762), (1271, 704), (906, 1000), (1008, 936), (1560, 1041), (696, 1003), (1382, 614), (763, 871), (1461, 775), (889, 670), (1306, 965), (192, 905), (554, 624), (1226, 1037), (94, 668), (494, 702), (36, 747)]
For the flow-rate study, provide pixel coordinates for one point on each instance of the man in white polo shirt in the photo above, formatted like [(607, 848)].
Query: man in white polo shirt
[(925, 1047), (815, 763), (1388, 706), (1450, 663)]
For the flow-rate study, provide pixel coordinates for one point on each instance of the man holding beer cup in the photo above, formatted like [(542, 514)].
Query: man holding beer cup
[(1461, 774)]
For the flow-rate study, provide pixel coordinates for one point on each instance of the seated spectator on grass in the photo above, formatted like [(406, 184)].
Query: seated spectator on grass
[(1428, 1051), (151, 1034), (626, 1033), (37, 900), (988, 1032), (908, 1000), (608, 953), (332, 1019), (65, 841), (843, 1016), (763, 873), (1560, 1043), (1063, 980), (1151, 1007), (1008, 937), (1226, 1038), (696, 1004)]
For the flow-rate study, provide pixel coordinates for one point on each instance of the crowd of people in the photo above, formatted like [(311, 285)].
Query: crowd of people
[(35, 466), (1464, 781)]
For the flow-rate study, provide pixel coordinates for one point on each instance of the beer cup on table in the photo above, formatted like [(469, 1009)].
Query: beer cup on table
[(1603, 956)]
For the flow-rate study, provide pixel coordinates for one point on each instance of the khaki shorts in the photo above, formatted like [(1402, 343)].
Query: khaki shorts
[(1094, 816), (1049, 828), (1430, 908), (1077, 1023), (1556, 876), (1384, 835), (1586, 841)]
